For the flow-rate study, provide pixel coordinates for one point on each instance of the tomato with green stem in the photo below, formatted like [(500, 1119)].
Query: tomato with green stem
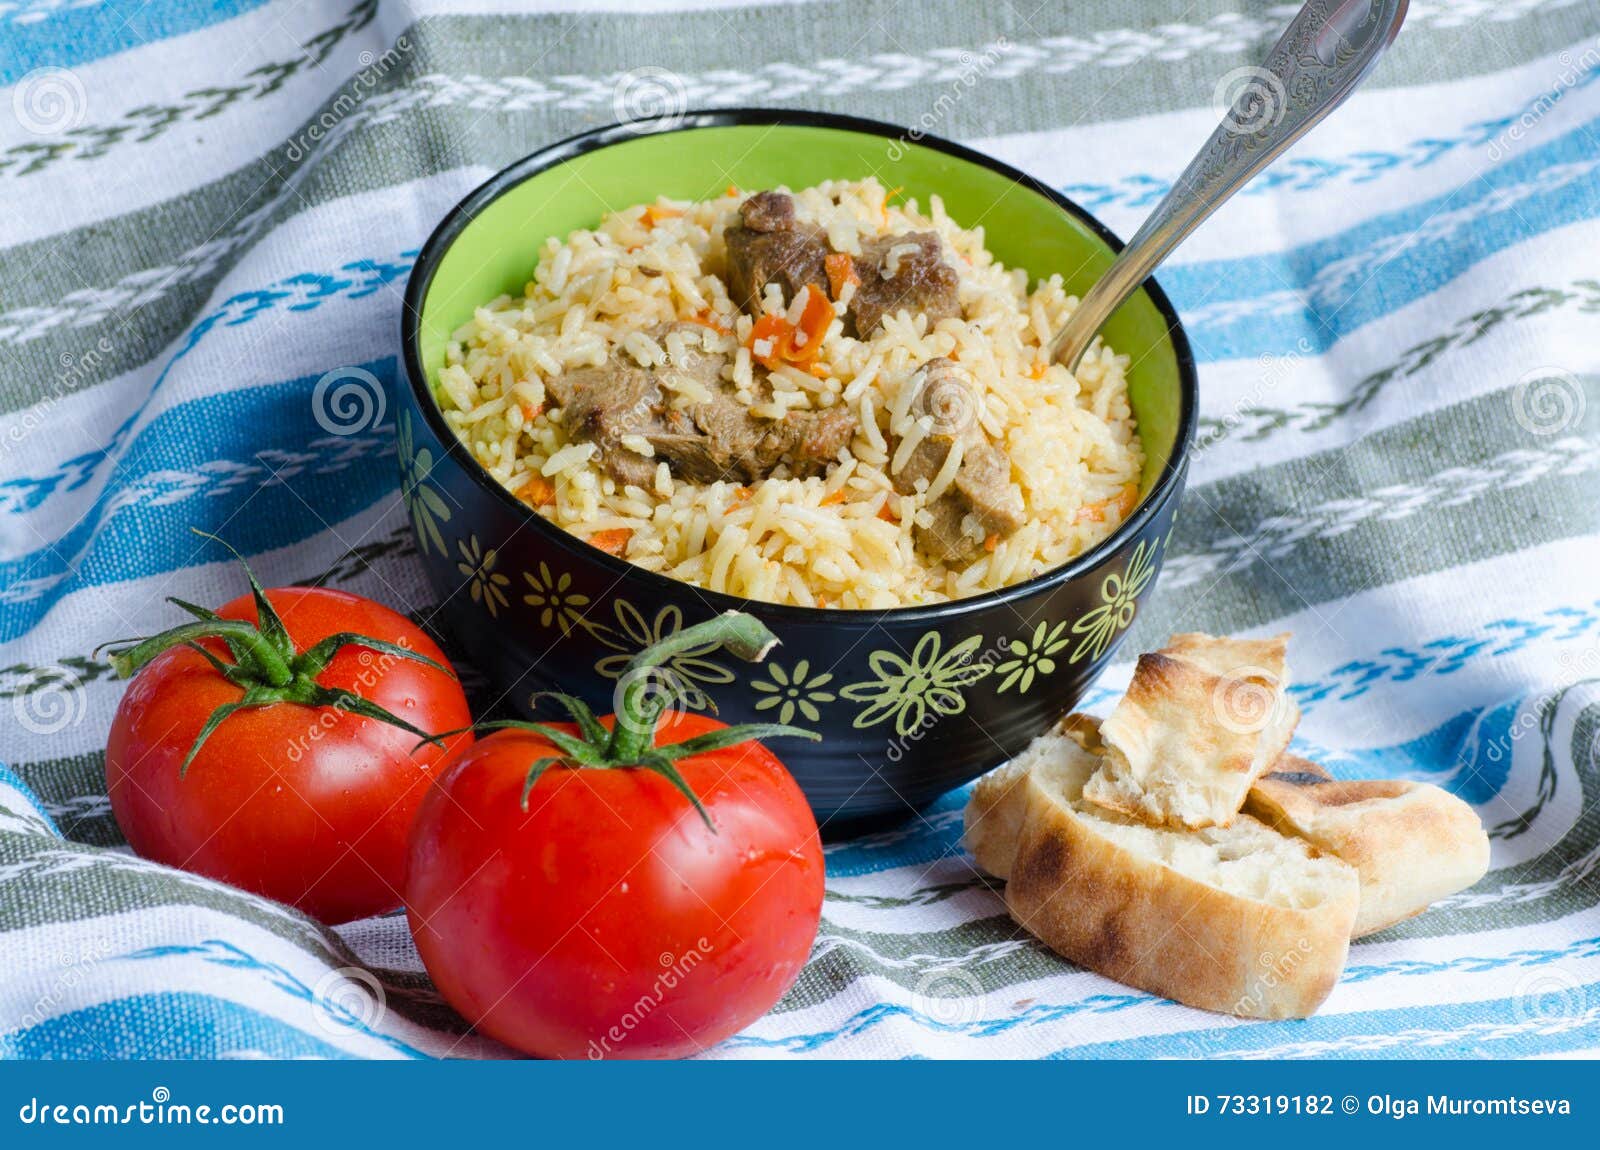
[(582, 890), (272, 744)]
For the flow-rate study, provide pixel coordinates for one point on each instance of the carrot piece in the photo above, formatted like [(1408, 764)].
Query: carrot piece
[(537, 492), (740, 494), (655, 213), (887, 515), (992, 542), (1128, 500), (733, 190), (705, 317), (832, 497), (1092, 513), (841, 270), (1037, 369), (613, 541), (531, 411), (815, 319), (771, 333), (887, 196), (818, 370)]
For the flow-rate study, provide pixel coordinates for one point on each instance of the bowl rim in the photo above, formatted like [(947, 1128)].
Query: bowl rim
[(462, 215)]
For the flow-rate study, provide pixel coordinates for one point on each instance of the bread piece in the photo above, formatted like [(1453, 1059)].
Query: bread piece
[(1237, 919), (998, 805), (1410, 843), (1202, 720)]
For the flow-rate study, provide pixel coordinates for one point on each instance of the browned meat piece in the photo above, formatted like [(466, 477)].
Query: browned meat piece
[(768, 212), (982, 485), (732, 444), (706, 441), (604, 404), (766, 247), (923, 284)]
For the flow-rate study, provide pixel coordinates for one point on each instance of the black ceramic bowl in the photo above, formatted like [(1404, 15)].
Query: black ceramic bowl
[(909, 702)]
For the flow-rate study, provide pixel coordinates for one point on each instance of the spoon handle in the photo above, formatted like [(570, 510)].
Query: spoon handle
[(1321, 58)]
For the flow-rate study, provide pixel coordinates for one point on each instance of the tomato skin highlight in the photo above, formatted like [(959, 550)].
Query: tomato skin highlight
[(310, 806), (607, 920)]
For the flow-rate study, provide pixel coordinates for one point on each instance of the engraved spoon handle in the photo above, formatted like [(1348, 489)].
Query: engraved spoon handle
[(1321, 58)]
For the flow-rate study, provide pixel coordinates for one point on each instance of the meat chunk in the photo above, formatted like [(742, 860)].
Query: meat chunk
[(702, 440), (981, 487), (729, 443), (769, 247), (768, 212), (903, 273)]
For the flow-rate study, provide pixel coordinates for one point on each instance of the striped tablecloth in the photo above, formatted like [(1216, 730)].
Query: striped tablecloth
[(208, 204)]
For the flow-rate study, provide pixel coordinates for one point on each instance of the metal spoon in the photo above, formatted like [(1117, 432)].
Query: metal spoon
[(1321, 58)]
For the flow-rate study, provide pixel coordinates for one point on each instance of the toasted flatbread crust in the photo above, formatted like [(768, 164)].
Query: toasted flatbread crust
[(1202, 719), (1411, 843), (999, 803), (1141, 922)]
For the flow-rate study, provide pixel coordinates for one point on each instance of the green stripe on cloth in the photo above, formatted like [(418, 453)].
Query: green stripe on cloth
[(1462, 484)]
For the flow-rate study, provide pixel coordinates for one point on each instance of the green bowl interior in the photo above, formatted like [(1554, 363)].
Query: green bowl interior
[(496, 253)]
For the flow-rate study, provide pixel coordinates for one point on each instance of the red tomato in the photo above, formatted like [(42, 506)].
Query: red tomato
[(308, 805), (607, 920)]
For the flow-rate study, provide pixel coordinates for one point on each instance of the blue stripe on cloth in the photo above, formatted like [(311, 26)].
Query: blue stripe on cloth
[(10, 781), (79, 35), (1306, 298), (1529, 1009), (164, 1025), (293, 295), (205, 461), (1526, 1024)]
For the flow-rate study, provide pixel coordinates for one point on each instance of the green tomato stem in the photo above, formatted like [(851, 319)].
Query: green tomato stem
[(643, 700)]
